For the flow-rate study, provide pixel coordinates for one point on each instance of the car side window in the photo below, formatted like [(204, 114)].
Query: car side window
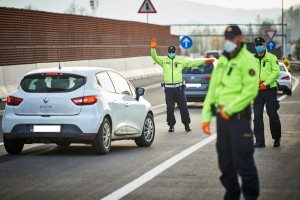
[(120, 83), (105, 82)]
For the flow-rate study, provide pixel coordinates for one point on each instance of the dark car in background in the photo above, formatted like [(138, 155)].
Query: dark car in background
[(197, 81)]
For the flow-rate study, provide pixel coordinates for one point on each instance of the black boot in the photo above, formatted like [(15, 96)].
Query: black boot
[(276, 143), (171, 129), (187, 127)]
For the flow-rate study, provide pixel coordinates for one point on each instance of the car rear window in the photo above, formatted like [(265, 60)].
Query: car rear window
[(52, 82), (201, 69)]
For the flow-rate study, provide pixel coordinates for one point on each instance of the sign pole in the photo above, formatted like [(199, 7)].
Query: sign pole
[(147, 7)]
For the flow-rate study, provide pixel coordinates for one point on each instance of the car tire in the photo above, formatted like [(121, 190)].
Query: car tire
[(13, 146), (288, 92), (102, 142), (147, 137), (63, 143)]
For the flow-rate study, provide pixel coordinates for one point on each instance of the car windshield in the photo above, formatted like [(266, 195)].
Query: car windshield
[(201, 69), (51, 82)]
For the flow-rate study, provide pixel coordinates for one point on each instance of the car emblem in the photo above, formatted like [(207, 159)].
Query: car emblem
[(192, 77), (45, 99)]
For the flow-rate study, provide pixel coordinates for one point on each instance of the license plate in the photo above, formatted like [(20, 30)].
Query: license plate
[(193, 85), (45, 128)]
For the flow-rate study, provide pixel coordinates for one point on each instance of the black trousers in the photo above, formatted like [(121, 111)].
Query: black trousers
[(268, 98), (235, 155), (177, 95)]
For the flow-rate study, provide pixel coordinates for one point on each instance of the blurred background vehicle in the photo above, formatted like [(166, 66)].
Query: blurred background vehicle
[(212, 53), (284, 81), (197, 81)]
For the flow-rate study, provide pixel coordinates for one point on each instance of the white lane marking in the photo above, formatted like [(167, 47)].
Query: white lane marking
[(123, 191), (157, 106)]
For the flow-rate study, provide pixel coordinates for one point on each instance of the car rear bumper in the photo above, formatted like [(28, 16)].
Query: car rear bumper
[(75, 125), (68, 132), (284, 86), (195, 96)]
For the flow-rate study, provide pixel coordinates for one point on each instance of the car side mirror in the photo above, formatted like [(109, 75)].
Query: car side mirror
[(139, 92)]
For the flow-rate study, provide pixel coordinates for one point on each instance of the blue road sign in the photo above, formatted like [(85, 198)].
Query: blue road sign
[(186, 42), (271, 45)]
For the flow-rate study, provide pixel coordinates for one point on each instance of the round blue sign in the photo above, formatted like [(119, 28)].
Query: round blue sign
[(186, 42), (271, 46)]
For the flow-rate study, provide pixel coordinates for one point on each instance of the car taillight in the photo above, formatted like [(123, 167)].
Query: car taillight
[(87, 100), (207, 78), (13, 101), (51, 73), (285, 78)]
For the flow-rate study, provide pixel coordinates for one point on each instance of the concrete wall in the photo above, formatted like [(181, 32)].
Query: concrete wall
[(131, 68)]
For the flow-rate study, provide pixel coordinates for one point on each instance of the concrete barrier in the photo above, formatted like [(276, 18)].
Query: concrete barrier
[(131, 68)]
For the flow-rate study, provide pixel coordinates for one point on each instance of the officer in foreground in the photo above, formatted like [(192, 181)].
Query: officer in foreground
[(173, 83), (233, 87), (267, 95)]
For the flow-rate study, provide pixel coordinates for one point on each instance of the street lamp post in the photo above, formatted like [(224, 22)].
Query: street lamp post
[(282, 37)]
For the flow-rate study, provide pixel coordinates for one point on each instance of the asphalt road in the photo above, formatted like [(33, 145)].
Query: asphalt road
[(177, 166)]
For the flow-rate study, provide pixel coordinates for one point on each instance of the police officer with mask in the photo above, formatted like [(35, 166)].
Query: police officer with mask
[(267, 95), (173, 84), (233, 87)]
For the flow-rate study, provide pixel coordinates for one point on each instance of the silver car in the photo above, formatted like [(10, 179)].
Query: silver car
[(76, 105), (284, 81), (197, 81)]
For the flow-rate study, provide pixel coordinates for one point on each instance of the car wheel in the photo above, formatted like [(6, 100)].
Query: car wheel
[(13, 146), (147, 137), (102, 143), (288, 92), (63, 143)]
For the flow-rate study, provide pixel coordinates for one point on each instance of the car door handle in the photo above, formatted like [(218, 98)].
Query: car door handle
[(126, 105)]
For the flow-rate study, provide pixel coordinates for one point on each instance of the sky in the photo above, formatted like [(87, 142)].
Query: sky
[(249, 4)]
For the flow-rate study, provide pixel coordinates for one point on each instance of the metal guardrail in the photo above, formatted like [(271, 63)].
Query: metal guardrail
[(295, 65)]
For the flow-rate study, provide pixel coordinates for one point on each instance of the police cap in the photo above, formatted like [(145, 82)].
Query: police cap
[(171, 49), (232, 31), (259, 41)]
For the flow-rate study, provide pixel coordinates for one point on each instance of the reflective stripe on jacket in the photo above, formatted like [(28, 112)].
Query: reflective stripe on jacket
[(172, 68), (234, 84)]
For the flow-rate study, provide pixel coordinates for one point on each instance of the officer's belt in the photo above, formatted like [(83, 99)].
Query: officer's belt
[(245, 112), (166, 85)]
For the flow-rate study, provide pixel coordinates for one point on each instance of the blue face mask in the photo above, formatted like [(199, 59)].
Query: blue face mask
[(259, 48), (171, 55)]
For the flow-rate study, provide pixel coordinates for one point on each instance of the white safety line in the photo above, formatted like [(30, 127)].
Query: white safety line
[(123, 191), (157, 106)]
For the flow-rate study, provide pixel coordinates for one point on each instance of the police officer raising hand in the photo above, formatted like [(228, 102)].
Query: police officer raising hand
[(173, 83)]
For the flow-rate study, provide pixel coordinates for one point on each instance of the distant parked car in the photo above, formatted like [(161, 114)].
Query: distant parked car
[(284, 81), (76, 105), (197, 81), (212, 53)]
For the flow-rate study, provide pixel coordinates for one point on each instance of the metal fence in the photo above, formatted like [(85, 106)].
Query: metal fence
[(28, 36)]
